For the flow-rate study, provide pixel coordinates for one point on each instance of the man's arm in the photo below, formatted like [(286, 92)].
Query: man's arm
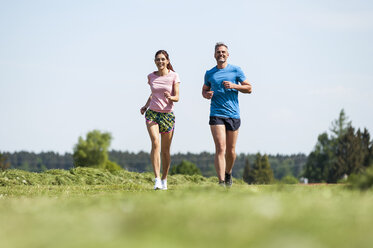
[(245, 86), (206, 92)]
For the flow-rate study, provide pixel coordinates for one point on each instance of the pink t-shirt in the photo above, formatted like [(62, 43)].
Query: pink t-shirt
[(159, 85)]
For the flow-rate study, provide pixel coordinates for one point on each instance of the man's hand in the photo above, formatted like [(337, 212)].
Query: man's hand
[(229, 85), (208, 94)]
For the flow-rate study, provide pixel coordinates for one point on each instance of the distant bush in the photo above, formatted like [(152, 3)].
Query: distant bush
[(112, 166), (185, 168), (289, 179), (362, 181)]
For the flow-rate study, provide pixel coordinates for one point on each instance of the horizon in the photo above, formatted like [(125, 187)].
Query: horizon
[(172, 154)]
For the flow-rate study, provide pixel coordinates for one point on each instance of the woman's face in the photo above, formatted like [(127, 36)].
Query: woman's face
[(161, 61)]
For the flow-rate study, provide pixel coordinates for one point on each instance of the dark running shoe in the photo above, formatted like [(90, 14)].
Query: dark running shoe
[(228, 180)]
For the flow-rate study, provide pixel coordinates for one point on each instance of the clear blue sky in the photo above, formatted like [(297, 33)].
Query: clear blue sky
[(68, 67)]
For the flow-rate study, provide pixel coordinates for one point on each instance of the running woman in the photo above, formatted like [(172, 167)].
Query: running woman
[(159, 116), (222, 84)]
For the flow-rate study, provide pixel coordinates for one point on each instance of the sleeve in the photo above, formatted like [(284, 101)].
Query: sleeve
[(149, 78), (207, 83), (240, 75), (177, 78)]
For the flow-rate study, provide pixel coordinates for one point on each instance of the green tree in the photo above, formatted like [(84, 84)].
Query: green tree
[(320, 160), (247, 175), (353, 152), (367, 148), (4, 164), (343, 152), (93, 151), (340, 126), (283, 169), (261, 173), (265, 175), (185, 168)]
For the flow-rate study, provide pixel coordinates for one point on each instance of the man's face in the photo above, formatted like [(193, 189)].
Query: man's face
[(221, 54)]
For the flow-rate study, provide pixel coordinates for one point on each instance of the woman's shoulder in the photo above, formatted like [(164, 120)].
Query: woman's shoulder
[(152, 74), (174, 73), (175, 76)]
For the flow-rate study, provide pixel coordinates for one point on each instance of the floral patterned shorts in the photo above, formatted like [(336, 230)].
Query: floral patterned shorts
[(165, 121)]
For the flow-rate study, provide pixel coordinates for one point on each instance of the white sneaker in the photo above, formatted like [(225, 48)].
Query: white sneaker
[(164, 184), (158, 184)]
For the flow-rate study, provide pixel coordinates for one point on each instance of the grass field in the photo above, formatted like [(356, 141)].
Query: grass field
[(194, 212)]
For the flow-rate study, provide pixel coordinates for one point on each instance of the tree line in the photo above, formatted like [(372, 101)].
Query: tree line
[(337, 155), (282, 165)]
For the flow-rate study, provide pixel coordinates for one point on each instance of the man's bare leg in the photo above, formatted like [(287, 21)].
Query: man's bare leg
[(219, 135), (230, 154)]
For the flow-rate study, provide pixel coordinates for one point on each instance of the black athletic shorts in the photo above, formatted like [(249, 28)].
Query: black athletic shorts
[(231, 124)]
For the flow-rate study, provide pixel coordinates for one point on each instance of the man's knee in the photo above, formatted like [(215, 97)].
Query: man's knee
[(165, 152), (231, 152)]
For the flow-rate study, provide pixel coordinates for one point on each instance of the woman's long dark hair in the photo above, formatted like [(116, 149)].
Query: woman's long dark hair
[(169, 66)]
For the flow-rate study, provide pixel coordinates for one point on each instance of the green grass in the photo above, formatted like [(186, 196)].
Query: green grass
[(194, 212)]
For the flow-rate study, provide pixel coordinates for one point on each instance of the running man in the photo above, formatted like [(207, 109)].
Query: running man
[(222, 84)]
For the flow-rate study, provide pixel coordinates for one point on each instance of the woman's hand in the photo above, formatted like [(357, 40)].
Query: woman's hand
[(143, 109), (167, 95), (175, 93)]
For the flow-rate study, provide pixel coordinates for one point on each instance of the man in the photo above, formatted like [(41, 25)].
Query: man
[(222, 84)]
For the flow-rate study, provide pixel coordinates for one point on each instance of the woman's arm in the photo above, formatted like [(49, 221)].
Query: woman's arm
[(175, 96), (146, 106)]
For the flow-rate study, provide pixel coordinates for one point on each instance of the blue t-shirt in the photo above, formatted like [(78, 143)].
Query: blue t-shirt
[(224, 102)]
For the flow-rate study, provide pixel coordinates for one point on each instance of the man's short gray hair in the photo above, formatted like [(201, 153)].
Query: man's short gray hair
[(219, 44)]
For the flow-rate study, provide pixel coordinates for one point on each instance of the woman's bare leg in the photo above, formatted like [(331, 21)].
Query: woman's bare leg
[(153, 130), (166, 139)]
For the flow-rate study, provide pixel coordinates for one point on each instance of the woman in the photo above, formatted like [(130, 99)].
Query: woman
[(160, 119)]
